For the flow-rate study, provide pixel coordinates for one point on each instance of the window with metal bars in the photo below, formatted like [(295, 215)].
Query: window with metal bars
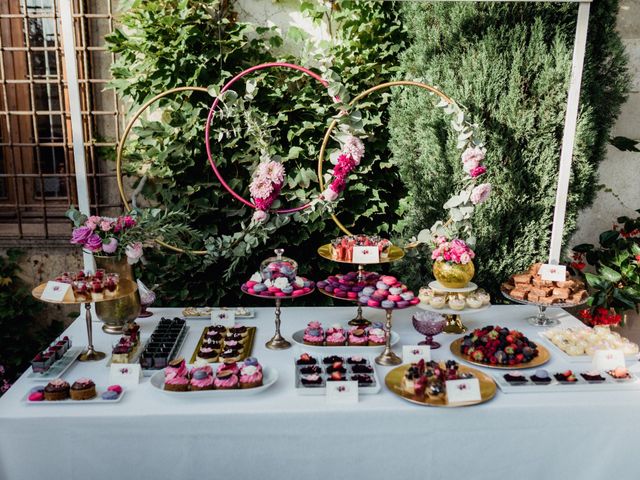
[(37, 178)]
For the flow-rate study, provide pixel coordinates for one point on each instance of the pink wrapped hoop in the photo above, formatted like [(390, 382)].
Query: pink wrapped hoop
[(212, 113)]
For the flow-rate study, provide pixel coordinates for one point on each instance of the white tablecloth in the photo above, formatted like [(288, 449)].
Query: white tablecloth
[(278, 434)]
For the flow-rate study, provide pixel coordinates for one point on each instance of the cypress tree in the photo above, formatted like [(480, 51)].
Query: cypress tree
[(508, 65)]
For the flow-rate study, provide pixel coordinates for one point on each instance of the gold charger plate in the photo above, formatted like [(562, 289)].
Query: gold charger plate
[(393, 381), (125, 287), (543, 357), (395, 253), (246, 349)]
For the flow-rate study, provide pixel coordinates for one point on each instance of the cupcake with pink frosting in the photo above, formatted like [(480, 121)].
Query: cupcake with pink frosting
[(313, 334), (377, 337), (358, 337), (201, 377), (336, 336), (226, 380), (250, 376)]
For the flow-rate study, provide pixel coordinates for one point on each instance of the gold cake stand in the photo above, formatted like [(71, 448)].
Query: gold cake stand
[(277, 342), (125, 288), (325, 251)]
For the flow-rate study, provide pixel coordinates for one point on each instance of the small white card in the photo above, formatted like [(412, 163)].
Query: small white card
[(415, 353), (464, 390), (125, 374), (57, 292), (604, 360), (366, 255), (553, 273), (223, 317), (341, 393)]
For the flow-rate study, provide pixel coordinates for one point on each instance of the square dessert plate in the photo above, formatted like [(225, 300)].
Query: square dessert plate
[(269, 377), (97, 399), (59, 367), (298, 339), (204, 313), (609, 384), (136, 353), (321, 390)]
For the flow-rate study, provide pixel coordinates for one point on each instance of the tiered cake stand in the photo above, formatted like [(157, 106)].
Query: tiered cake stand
[(454, 323), (395, 253), (125, 288), (277, 342)]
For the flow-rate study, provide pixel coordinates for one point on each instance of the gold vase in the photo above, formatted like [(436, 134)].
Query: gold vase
[(115, 314), (453, 275)]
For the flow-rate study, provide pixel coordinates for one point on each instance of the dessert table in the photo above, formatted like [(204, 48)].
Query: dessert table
[(278, 434)]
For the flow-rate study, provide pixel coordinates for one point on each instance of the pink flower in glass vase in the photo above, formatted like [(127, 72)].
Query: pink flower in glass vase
[(93, 243), (133, 252), (106, 225), (129, 221), (110, 245), (480, 193), (80, 235)]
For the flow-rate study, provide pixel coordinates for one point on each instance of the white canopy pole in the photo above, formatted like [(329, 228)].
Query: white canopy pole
[(75, 109), (568, 138)]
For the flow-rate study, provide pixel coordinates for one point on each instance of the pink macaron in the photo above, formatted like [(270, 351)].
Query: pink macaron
[(394, 298), (373, 303), (297, 293), (414, 301), (340, 293), (352, 295), (250, 284), (251, 291), (280, 294), (389, 280), (382, 293), (273, 289)]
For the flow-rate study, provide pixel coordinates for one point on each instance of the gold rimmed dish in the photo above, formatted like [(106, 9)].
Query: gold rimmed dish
[(543, 357), (395, 253)]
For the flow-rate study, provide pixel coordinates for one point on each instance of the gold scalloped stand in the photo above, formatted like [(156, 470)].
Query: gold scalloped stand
[(364, 94), (125, 288), (120, 148)]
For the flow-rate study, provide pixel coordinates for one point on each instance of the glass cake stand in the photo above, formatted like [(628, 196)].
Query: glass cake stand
[(277, 342), (454, 322), (125, 288), (395, 254), (541, 319)]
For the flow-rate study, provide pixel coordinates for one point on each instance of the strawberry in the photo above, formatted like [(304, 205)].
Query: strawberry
[(509, 338)]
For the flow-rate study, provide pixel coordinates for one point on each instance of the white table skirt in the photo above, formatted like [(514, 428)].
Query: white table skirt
[(278, 434)]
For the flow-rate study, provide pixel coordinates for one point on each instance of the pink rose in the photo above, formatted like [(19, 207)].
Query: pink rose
[(129, 221), (260, 216), (133, 252), (105, 225), (354, 148), (330, 195), (465, 258), (80, 235), (479, 170), (93, 243), (338, 185), (471, 158), (480, 193), (110, 245)]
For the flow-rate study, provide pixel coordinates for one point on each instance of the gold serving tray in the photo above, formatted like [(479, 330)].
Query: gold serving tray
[(246, 349), (393, 380), (125, 287), (395, 253), (543, 357)]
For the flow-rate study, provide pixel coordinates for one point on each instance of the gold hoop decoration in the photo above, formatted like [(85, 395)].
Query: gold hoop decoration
[(364, 94), (125, 134)]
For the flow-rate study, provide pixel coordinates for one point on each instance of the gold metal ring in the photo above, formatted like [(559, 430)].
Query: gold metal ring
[(364, 94), (125, 134)]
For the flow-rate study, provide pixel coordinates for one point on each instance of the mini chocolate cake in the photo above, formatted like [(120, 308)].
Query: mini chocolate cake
[(362, 368), (332, 359), (362, 379), (306, 359), (515, 378)]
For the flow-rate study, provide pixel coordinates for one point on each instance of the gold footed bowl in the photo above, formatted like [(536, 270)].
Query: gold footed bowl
[(453, 275), (117, 313)]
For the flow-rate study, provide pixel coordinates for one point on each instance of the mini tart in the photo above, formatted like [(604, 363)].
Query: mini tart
[(336, 367), (57, 390), (83, 389), (437, 302), (312, 380), (516, 378), (336, 377), (356, 360), (619, 374), (332, 359), (311, 369), (240, 330), (566, 377), (230, 356), (592, 377), (306, 359), (316, 343), (362, 379), (362, 368), (235, 337), (540, 380)]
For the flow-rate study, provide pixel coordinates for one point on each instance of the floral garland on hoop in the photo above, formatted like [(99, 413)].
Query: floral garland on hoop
[(453, 240), (265, 188)]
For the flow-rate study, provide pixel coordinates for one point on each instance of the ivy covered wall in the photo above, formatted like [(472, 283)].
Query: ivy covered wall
[(509, 65)]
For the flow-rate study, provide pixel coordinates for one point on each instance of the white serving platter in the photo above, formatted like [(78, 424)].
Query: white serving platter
[(343, 350), (451, 311), (320, 391), (59, 367), (557, 351), (206, 314), (97, 399), (556, 387), (269, 377)]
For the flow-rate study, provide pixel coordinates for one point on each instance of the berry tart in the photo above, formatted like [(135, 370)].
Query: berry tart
[(593, 376), (83, 389), (306, 359), (313, 380), (498, 346), (566, 377), (541, 377), (363, 380), (619, 374)]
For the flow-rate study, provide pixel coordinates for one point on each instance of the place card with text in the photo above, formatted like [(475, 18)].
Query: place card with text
[(223, 317), (604, 360), (366, 255), (462, 391), (57, 292), (342, 393), (125, 374), (553, 273), (415, 353)]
